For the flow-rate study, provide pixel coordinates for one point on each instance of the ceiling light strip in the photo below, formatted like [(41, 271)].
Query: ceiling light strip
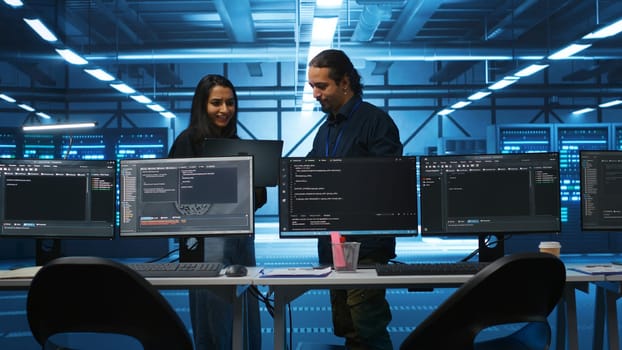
[(610, 104), (71, 57), (14, 3), (58, 126), (74, 58), (564, 53), (44, 32)]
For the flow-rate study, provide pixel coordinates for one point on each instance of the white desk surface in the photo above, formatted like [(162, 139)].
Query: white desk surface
[(289, 288), (21, 278), (229, 288), (369, 277)]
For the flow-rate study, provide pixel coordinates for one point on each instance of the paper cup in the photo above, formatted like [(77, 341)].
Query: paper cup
[(551, 247)]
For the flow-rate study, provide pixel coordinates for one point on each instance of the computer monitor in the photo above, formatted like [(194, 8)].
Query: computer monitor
[(56, 199), (601, 190), (186, 197), (372, 196), (266, 155), (492, 194)]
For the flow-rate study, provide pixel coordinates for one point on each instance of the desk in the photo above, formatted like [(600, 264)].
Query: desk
[(567, 313), (228, 288), (287, 289), (606, 312)]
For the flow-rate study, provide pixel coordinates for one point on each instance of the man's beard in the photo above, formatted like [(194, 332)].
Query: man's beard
[(325, 108)]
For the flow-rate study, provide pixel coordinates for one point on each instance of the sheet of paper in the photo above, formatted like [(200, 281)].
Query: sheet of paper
[(598, 269), (296, 272)]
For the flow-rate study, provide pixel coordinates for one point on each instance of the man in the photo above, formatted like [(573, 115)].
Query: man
[(353, 128)]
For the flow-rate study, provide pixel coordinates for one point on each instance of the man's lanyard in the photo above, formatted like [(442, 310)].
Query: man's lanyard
[(338, 139)]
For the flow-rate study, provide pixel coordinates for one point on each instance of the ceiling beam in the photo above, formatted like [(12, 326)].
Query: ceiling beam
[(237, 20)]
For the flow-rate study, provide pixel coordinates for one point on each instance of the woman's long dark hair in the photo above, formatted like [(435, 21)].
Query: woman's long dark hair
[(201, 126)]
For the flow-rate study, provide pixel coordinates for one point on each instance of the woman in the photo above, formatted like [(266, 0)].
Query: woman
[(214, 115)]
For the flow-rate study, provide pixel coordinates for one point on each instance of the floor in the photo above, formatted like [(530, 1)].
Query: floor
[(310, 313)]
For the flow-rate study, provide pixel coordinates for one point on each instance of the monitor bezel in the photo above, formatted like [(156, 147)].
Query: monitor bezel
[(243, 159), (295, 234), (100, 231), (477, 232), (599, 228)]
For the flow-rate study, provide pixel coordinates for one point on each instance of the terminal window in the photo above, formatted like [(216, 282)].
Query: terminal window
[(473, 194), (186, 196), (362, 196), (601, 190), (57, 198)]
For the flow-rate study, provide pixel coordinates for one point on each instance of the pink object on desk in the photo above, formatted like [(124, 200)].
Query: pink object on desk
[(338, 257)]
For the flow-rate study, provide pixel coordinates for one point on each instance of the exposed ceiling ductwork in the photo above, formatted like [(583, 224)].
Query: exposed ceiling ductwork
[(458, 40)]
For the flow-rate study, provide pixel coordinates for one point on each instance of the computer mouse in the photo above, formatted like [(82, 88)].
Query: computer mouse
[(236, 270)]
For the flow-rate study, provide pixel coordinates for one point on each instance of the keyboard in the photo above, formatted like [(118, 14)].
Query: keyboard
[(178, 269), (436, 268)]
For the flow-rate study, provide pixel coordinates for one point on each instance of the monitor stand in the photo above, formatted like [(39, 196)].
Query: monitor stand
[(47, 250), (191, 249), (491, 247)]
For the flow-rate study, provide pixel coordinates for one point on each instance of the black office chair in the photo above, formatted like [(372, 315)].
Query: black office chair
[(518, 289), (97, 295)]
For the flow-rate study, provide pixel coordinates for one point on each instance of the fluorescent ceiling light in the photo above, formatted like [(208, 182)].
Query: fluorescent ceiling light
[(323, 30), (58, 126), (141, 98), (610, 103), (583, 111), (169, 115), (14, 3), (505, 82), (606, 32), (328, 4), (569, 51), (445, 111), (123, 88), (314, 50), (43, 115), (26, 107), (205, 17), (100, 74), (41, 29), (156, 107), (7, 98), (71, 57), (307, 107), (436, 58), (479, 95), (460, 104), (530, 70)]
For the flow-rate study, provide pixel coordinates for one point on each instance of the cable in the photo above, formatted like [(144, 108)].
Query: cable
[(487, 244), (269, 303), (472, 254), (395, 262), (164, 256), (256, 293)]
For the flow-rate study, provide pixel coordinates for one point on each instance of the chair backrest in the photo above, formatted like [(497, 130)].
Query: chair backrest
[(516, 288), (98, 295)]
